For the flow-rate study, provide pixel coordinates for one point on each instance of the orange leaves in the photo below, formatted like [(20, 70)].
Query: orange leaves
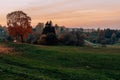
[(14, 31), (19, 24)]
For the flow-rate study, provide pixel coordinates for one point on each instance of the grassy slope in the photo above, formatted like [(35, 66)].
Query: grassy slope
[(60, 63)]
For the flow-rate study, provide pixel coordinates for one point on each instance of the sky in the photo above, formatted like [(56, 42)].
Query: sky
[(70, 13)]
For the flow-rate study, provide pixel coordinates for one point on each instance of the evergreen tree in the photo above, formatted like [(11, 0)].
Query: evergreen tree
[(48, 28)]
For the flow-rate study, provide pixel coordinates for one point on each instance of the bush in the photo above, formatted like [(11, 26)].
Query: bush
[(9, 38), (51, 39), (42, 39), (33, 38), (72, 38), (67, 39)]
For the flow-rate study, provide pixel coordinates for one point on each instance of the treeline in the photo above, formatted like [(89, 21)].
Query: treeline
[(48, 36), (20, 30), (106, 36)]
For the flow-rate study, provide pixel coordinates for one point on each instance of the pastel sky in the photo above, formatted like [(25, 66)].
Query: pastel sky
[(70, 13)]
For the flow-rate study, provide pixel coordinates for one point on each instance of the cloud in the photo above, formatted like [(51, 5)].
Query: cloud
[(66, 12)]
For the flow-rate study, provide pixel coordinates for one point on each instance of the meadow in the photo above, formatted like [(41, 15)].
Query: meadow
[(37, 62)]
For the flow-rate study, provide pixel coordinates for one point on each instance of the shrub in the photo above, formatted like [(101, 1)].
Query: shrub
[(51, 39), (67, 39), (42, 39), (72, 38)]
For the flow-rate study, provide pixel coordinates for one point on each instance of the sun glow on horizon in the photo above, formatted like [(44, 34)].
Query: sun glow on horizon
[(77, 13)]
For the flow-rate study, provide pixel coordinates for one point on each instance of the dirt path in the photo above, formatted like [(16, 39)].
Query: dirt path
[(5, 50)]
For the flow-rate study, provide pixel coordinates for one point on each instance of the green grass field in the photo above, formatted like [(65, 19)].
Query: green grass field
[(33, 62)]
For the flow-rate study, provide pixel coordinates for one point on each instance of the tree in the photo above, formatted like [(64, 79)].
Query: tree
[(51, 39), (19, 25), (39, 28), (80, 37), (67, 39), (49, 31), (113, 38), (72, 38), (101, 36), (49, 28)]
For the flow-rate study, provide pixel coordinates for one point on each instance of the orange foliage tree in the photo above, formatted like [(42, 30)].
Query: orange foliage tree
[(19, 25)]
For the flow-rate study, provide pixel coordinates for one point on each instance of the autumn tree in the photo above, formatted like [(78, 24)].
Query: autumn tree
[(19, 25)]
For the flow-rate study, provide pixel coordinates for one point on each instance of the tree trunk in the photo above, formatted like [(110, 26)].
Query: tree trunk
[(22, 40)]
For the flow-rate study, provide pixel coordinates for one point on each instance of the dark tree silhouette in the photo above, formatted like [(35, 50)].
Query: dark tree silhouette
[(51, 39), (50, 33), (49, 28), (19, 25)]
